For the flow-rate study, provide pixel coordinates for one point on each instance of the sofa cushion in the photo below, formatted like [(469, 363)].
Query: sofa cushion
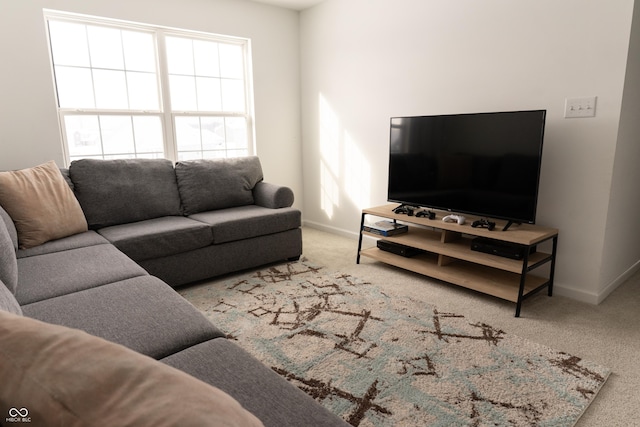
[(215, 260), (82, 380), (142, 313), (259, 389), (81, 240), (115, 192), (8, 301), (158, 237), (245, 222), (11, 227), (8, 262), (41, 204), (218, 183), (59, 273)]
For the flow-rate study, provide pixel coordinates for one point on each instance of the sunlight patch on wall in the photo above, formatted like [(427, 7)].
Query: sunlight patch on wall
[(329, 137), (329, 157), (329, 192), (357, 174), (344, 169)]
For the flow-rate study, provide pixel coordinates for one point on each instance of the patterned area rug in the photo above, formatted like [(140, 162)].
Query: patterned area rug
[(382, 361)]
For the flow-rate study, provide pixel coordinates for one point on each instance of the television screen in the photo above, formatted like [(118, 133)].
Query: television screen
[(484, 164)]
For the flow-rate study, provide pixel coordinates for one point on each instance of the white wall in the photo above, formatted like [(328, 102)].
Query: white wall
[(621, 250), (364, 61), (29, 130)]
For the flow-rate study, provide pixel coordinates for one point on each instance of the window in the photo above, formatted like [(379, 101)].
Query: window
[(139, 91)]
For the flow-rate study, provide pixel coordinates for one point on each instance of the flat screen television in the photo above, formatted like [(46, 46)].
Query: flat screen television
[(483, 164)]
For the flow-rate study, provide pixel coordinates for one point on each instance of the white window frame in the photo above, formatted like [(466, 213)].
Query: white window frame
[(166, 114)]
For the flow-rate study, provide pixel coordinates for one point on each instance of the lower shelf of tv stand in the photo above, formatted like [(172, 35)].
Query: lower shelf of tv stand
[(459, 248), (488, 280)]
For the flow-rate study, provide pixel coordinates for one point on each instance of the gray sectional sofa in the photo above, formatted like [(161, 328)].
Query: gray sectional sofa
[(195, 221), (150, 226)]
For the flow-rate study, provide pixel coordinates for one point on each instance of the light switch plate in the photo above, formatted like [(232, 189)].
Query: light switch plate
[(580, 107)]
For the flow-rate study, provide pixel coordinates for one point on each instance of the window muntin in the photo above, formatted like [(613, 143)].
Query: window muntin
[(130, 90)]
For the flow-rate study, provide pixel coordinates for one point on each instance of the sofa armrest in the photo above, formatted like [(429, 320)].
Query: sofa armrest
[(272, 196)]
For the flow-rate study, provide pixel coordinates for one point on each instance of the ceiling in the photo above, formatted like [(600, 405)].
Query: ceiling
[(292, 4)]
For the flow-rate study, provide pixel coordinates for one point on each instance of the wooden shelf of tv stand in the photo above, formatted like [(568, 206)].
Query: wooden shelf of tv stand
[(449, 256), (458, 249)]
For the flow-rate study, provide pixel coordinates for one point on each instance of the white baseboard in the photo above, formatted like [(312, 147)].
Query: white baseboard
[(618, 281), (575, 294), (329, 229)]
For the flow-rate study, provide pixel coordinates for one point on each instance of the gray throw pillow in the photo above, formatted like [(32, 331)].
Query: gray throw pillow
[(207, 185)]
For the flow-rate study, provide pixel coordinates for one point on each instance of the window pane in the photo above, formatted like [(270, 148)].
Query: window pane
[(189, 155), (117, 156), (231, 61), (83, 136), (213, 133), (117, 134), (188, 133), (75, 87), (183, 93), (105, 47), (209, 96), (139, 51), (179, 56), (150, 155), (219, 154), (237, 153), (111, 89), (206, 58), (208, 135), (143, 91), (69, 43), (148, 135), (236, 133), (233, 95)]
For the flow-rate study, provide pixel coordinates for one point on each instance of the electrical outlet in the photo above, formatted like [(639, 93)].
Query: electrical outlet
[(580, 107)]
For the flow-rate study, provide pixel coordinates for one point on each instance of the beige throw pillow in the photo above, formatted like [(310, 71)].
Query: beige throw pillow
[(57, 376), (41, 204)]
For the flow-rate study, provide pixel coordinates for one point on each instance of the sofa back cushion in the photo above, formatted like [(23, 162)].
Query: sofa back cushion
[(8, 301), (11, 227), (113, 192), (207, 185), (8, 262)]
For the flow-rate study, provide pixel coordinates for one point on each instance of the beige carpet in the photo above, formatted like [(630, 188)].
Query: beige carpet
[(608, 334)]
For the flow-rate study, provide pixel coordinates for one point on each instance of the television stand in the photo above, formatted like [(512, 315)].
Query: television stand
[(446, 254)]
